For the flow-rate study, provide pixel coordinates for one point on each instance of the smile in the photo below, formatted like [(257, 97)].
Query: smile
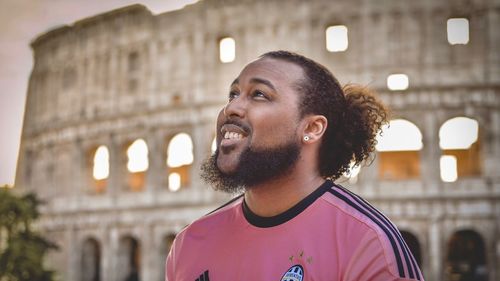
[(232, 136)]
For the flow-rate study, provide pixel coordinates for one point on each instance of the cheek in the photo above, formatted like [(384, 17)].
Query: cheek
[(275, 131), (220, 118)]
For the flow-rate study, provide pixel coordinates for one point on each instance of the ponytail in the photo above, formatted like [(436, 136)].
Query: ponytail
[(352, 138)]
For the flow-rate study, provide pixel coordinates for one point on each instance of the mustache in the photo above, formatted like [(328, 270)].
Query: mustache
[(237, 123)]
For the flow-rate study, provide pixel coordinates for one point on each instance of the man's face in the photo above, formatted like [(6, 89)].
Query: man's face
[(260, 119)]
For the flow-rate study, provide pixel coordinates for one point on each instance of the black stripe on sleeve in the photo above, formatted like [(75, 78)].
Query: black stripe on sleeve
[(404, 247), (384, 228)]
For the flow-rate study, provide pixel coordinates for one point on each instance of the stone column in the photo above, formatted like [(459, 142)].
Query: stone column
[(493, 56), (491, 146), (435, 272), (107, 255), (112, 256), (110, 76), (494, 265), (152, 77), (430, 155), (368, 179), (73, 254), (155, 175), (198, 60), (148, 264), (202, 135), (117, 166), (78, 170)]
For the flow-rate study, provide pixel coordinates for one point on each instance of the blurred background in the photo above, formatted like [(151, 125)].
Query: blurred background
[(122, 98)]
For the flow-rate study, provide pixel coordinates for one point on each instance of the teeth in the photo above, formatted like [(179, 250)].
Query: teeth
[(233, 135)]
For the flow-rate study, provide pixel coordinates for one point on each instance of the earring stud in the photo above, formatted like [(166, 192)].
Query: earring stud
[(306, 138)]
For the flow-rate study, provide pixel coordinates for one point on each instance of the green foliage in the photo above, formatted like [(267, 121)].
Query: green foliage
[(21, 249)]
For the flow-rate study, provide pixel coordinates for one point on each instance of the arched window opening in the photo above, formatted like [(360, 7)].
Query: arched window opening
[(168, 242), (227, 50), (412, 242), (90, 261), (174, 181), (460, 144), (137, 164), (399, 150), (466, 257), (100, 168), (129, 259), (179, 161)]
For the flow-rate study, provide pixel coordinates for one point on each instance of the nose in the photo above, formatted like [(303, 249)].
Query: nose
[(235, 108)]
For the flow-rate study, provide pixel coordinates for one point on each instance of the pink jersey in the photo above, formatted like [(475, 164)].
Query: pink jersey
[(330, 235)]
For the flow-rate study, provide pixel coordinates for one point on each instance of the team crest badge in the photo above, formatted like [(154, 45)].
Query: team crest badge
[(295, 273)]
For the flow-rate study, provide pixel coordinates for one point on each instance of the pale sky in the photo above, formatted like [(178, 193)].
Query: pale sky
[(20, 22)]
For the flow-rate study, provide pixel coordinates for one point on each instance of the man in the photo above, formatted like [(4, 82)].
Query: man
[(287, 131)]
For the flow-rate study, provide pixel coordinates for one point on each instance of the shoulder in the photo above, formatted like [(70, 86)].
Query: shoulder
[(380, 234), (203, 227), (217, 217)]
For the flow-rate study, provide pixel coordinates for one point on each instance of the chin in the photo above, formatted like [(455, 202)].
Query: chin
[(225, 166)]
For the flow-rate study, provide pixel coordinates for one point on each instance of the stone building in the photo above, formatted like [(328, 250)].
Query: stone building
[(121, 108)]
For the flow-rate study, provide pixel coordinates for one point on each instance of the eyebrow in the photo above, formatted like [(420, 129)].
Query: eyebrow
[(257, 80)]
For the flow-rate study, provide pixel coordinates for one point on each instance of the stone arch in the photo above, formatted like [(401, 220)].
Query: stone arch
[(466, 257), (98, 166), (167, 242), (460, 143), (90, 266), (180, 157), (414, 245), (399, 150), (129, 259), (137, 164)]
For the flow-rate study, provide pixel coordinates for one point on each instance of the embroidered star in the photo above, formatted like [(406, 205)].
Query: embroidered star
[(291, 258), (309, 259), (301, 253)]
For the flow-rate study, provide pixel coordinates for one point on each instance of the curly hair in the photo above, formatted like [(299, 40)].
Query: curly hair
[(355, 116)]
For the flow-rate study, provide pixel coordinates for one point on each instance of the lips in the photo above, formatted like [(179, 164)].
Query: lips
[(231, 134)]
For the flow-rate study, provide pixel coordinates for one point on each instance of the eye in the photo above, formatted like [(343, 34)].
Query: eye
[(233, 95), (260, 95)]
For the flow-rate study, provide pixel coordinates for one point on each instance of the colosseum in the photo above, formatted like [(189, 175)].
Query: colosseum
[(121, 107)]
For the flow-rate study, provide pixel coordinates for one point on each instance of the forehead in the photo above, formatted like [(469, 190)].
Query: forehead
[(282, 74)]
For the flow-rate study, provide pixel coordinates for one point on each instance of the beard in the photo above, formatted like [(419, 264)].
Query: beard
[(255, 167)]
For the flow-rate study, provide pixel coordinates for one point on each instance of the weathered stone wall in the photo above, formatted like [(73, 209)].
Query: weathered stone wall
[(128, 74)]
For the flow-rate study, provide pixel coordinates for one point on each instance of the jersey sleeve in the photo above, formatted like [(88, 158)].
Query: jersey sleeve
[(374, 260)]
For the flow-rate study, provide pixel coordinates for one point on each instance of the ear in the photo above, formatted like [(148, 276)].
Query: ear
[(314, 128)]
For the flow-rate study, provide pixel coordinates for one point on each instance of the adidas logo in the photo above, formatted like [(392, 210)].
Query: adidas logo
[(203, 277)]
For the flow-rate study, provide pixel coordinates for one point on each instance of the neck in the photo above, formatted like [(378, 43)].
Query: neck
[(276, 196)]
